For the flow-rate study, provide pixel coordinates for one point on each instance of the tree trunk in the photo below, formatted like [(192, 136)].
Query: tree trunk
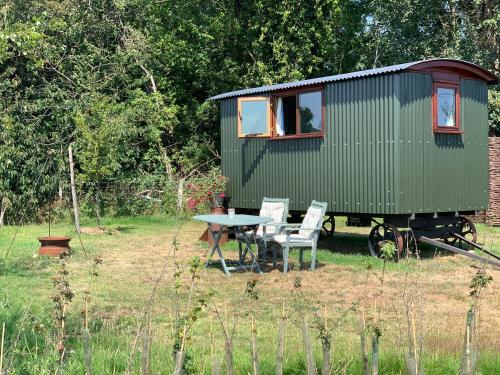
[(73, 189), (306, 338), (97, 209), (255, 360), (325, 368), (229, 356), (375, 353), (179, 363), (281, 344), (180, 195), (146, 350), (2, 214), (327, 347), (364, 353), (1, 348), (215, 369), (469, 355), (87, 351)]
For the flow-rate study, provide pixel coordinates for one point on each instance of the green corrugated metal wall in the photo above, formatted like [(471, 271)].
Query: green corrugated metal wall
[(378, 155), (443, 172)]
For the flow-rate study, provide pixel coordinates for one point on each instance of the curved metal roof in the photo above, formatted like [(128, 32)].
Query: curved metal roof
[(346, 76)]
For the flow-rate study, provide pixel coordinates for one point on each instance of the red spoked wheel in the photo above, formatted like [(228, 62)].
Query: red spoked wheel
[(382, 234), (467, 229), (328, 227)]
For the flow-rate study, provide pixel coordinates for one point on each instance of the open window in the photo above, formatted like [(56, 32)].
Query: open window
[(294, 114), (446, 106), (298, 114), (254, 117)]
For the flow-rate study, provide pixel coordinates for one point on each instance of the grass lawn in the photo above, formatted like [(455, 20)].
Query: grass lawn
[(142, 277)]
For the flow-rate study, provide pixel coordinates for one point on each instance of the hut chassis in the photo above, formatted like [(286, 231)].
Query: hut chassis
[(404, 231)]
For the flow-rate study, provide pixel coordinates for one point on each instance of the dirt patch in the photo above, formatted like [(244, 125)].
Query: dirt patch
[(92, 230), (99, 231), (132, 264)]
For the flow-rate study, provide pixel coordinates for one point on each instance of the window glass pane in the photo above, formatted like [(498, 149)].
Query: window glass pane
[(254, 117), (446, 106), (310, 112)]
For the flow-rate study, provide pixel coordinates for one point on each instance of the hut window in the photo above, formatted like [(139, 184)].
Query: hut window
[(446, 107), (298, 114), (254, 117), (310, 109)]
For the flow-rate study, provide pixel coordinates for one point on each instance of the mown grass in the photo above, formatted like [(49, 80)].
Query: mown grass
[(134, 251)]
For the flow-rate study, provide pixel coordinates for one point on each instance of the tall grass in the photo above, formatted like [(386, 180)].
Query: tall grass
[(296, 332)]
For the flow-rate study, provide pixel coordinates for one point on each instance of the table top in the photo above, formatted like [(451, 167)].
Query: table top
[(234, 221)]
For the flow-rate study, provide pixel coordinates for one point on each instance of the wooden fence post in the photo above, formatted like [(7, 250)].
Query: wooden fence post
[(73, 189)]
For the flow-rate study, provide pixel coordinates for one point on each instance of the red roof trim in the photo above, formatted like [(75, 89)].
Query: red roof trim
[(460, 67)]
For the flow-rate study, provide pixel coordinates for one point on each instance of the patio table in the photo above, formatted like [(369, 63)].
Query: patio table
[(235, 224)]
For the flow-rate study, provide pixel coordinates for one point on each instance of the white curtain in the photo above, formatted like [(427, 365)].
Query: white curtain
[(280, 130)]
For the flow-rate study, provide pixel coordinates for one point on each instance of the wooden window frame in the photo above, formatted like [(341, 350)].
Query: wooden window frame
[(269, 116), (441, 80), (296, 93)]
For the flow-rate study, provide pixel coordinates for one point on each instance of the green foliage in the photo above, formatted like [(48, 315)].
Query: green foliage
[(480, 281), (251, 290), (127, 81), (494, 113), (388, 250)]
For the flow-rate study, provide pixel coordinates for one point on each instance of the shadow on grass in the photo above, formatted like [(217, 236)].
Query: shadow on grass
[(26, 267), (127, 229), (357, 244), (343, 248), (345, 243)]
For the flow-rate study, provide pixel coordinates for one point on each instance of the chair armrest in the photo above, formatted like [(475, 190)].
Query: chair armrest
[(277, 226), (294, 229), (271, 224)]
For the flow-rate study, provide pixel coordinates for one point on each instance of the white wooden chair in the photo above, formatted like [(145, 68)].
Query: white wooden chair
[(275, 208), (307, 236)]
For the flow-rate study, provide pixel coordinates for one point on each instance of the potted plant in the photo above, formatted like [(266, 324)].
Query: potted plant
[(208, 191), (53, 245), (218, 200)]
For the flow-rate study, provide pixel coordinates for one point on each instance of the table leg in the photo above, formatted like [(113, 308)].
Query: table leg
[(248, 248), (252, 236), (241, 256), (243, 234), (216, 237)]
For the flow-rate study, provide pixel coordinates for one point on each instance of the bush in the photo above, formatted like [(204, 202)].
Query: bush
[(201, 191), (150, 195)]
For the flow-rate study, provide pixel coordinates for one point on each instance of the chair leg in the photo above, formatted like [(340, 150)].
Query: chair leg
[(286, 249), (275, 254), (313, 256), (301, 258), (240, 250), (264, 245)]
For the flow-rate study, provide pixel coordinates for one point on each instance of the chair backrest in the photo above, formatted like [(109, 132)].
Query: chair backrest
[(313, 219), (275, 208)]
